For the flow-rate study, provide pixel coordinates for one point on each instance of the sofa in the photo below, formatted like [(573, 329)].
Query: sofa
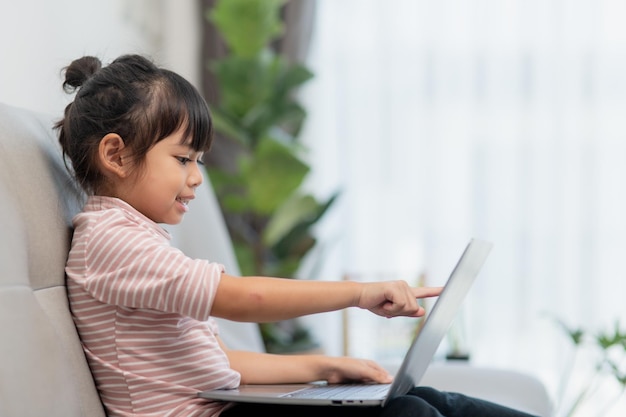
[(43, 371)]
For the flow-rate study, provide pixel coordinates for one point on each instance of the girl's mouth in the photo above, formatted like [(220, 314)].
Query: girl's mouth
[(184, 202)]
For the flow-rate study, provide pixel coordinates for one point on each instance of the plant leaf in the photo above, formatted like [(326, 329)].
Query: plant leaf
[(272, 175), (247, 25), (245, 259), (575, 335), (294, 211), (299, 240), (244, 83), (225, 125)]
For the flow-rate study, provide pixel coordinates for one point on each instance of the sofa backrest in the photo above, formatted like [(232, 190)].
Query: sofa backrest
[(43, 371)]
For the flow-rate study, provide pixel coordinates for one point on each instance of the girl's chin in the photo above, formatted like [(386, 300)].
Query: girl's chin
[(173, 220)]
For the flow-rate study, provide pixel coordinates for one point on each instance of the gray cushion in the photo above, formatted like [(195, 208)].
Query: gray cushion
[(44, 371)]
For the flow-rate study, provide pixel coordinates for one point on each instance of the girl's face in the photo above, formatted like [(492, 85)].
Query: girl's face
[(166, 183)]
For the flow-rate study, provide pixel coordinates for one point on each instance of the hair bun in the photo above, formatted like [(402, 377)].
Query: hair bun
[(79, 71)]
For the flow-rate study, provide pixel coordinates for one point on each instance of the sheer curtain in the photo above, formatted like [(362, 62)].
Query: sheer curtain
[(504, 120)]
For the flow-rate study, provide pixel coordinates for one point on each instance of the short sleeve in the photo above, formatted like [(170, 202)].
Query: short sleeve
[(131, 266)]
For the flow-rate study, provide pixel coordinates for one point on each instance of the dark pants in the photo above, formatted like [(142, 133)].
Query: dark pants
[(419, 402)]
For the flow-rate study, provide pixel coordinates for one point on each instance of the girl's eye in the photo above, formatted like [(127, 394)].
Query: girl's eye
[(183, 159)]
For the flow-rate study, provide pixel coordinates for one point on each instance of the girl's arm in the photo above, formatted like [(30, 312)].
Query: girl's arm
[(265, 368), (262, 299)]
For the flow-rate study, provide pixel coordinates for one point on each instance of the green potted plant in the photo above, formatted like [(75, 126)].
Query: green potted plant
[(609, 348), (258, 184)]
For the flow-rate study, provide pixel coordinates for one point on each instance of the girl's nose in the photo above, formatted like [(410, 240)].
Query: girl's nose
[(196, 176)]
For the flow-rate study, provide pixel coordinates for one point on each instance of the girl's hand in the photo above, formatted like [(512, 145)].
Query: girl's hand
[(395, 298), (346, 369)]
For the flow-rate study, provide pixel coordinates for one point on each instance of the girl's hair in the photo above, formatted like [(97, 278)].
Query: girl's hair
[(133, 98)]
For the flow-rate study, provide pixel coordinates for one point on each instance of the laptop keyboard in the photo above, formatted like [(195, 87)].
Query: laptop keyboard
[(348, 392)]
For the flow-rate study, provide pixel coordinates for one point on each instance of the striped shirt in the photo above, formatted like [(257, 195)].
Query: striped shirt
[(142, 310)]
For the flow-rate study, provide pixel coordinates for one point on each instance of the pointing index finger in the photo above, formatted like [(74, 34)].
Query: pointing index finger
[(426, 292)]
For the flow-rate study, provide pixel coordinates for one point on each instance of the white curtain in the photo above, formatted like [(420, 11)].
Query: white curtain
[(503, 120)]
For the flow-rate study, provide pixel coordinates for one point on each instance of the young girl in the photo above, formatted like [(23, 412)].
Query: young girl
[(134, 136)]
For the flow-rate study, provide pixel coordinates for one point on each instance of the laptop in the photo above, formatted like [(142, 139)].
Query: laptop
[(414, 365)]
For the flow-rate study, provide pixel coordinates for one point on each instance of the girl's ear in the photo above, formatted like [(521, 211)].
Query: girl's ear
[(111, 153)]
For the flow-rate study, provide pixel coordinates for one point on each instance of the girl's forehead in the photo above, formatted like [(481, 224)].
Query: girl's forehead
[(184, 133), (185, 140), (180, 142)]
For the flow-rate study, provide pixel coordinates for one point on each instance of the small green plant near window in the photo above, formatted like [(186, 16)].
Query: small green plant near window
[(269, 218), (609, 349)]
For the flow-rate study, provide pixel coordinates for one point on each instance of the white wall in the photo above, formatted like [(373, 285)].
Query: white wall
[(40, 37)]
